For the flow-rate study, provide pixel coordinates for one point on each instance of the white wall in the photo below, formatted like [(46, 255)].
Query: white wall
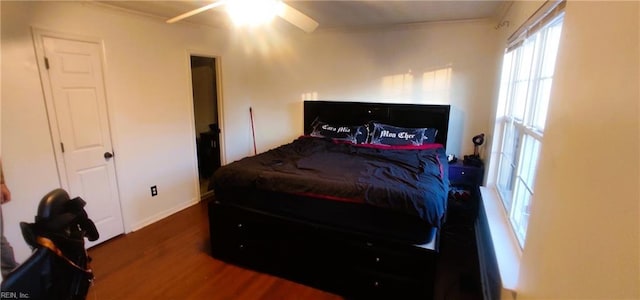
[(584, 232), (379, 65), (149, 97)]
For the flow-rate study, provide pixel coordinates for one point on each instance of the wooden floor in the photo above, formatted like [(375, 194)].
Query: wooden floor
[(171, 259)]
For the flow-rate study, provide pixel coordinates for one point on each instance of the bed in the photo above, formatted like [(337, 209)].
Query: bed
[(353, 206)]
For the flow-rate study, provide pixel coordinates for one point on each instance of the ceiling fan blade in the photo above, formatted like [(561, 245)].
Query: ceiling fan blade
[(196, 11), (297, 18)]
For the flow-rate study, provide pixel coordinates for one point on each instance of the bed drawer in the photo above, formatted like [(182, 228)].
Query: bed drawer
[(403, 261), (371, 285), (245, 238)]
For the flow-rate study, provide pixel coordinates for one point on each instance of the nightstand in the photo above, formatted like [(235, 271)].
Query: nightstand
[(465, 175), (464, 194)]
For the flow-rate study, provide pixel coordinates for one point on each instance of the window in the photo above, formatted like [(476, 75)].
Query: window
[(525, 89)]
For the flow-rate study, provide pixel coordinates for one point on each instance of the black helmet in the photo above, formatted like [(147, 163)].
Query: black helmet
[(61, 217)]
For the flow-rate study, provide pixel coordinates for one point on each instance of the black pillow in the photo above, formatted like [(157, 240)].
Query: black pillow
[(383, 134), (349, 133)]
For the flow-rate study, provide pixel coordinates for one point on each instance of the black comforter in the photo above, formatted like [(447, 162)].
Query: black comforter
[(412, 181)]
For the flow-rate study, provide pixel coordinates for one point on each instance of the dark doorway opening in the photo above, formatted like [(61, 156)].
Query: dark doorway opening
[(205, 109)]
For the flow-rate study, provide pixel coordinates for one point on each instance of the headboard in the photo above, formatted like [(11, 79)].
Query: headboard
[(357, 113)]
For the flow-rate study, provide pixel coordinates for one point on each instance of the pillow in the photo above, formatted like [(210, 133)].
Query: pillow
[(352, 134), (388, 135)]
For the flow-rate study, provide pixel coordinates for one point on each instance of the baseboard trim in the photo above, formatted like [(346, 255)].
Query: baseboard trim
[(163, 214)]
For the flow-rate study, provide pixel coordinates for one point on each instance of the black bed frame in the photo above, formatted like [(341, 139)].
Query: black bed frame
[(352, 264)]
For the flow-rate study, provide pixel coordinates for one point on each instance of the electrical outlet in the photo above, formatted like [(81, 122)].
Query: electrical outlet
[(154, 191)]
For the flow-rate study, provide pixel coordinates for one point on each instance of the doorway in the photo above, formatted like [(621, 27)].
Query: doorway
[(205, 108)]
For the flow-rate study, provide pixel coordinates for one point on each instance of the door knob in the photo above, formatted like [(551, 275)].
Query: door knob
[(108, 155)]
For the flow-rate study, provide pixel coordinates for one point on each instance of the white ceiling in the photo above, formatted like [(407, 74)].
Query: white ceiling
[(335, 14)]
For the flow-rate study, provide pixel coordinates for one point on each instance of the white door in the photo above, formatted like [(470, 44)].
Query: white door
[(74, 70)]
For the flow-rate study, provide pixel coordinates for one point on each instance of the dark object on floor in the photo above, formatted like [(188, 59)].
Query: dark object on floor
[(59, 266)]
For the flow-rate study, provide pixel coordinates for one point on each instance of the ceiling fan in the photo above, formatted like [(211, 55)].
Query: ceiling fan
[(253, 7)]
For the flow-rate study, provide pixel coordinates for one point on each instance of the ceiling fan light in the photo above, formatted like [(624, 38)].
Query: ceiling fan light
[(253, 12)]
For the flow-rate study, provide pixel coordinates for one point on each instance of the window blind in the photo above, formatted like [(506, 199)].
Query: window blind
[(545, 14)]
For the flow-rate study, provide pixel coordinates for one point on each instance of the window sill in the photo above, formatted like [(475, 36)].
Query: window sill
[(505, 244)]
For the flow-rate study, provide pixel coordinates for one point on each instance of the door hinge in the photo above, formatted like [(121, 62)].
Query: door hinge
[(46, 63), (62, 146)]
